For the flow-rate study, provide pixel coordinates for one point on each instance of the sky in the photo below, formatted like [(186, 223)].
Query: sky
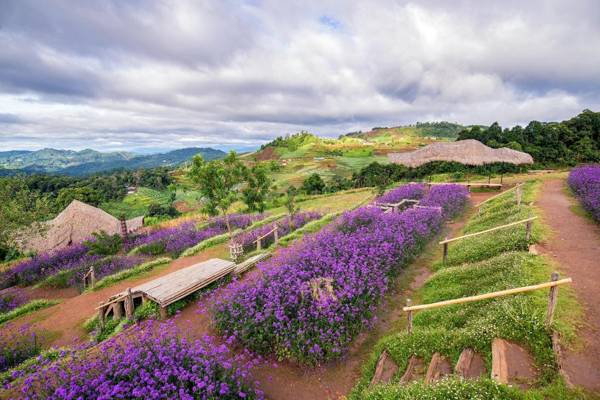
[(156, 75)]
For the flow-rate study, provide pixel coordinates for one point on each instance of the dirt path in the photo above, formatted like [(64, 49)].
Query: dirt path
[(62, 324), (575, 244)]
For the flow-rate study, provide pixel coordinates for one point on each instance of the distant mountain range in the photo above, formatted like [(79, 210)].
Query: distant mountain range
[(84, 162)]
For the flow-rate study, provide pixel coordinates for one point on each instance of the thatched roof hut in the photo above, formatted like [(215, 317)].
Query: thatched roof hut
[(75, 224), (469, 152)]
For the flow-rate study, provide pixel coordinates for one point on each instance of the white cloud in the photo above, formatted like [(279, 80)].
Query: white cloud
[(178, 73)]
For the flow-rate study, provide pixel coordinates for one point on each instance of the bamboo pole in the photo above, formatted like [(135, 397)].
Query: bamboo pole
[(489, 295), (499, 194), (488, 230)]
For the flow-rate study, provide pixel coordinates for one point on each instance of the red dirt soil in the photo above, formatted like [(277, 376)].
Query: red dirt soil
[(575, 245)]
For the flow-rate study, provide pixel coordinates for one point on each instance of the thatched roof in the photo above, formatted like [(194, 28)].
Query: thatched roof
[(469, 152), (75, 224)]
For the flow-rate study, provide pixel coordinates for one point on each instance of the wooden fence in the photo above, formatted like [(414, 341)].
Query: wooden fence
[(528, 225), (552, 298), (274, 231)]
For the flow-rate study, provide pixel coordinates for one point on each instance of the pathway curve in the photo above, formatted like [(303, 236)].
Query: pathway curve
[(575, 245)]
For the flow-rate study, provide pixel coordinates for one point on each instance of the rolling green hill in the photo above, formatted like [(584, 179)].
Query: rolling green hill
[(84, 162)]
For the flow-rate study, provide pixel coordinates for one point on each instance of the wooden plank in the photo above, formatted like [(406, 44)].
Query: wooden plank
[(489, 295), (176, 285), (488, 230), (249, 263), (265, 235), (478, 184)]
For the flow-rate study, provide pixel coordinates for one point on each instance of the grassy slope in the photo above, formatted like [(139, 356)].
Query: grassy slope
[(451, 329)]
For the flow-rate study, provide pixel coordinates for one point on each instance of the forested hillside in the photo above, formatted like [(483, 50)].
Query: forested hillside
[(570, 142)]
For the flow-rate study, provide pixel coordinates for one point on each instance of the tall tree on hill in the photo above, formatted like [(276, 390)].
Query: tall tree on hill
[(219, 182), (290, 205), (257, 188)]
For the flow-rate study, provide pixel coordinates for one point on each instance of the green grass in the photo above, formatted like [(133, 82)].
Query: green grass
[(479, 265), (129, 273), (27, 308)]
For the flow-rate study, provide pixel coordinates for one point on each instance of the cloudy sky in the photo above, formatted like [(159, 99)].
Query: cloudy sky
[(148, 75)]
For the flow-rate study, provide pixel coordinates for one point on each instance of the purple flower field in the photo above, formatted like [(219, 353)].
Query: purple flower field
[(152, 362), (103, 267), (585, 182), (12, 298), (177, 239), (44, 265), (452, 199), (315, 297), (413, 191), (16, 346), (247, 239)]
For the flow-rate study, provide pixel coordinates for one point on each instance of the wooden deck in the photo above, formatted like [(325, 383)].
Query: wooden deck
[(167, 289)]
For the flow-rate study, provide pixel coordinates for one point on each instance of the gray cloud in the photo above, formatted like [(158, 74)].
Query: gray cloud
[(165, 74)]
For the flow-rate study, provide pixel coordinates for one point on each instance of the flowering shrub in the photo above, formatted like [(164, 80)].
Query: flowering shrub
[(175, 240), (12, 298), (585, 182), (316, 296), (248, 239), (452, 198), (103, 267), (411, 191), (17, 346), (39, 267), (152, 362)]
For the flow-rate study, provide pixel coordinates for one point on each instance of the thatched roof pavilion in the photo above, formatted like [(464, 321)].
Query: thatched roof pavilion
[(75, 224), (468, 152)]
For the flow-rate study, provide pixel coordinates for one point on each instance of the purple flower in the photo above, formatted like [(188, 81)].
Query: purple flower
[(314, 297), (585, 182), (154, 361)]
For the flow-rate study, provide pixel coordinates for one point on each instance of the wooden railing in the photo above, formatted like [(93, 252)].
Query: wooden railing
[(500, 194), (553, 285), (528, 225), (274, 231)]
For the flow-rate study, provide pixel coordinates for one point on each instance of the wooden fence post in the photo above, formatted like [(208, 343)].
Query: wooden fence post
[(101, 317), (163, 312), (409, 327), (489, 178), (519, 195), (276, 234), (129, 304), (552, 298), (528, 225), (445, 251), (258, 244), (501, 176), (92, 277)]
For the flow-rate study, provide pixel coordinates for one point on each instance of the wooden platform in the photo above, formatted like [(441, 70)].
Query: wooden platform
[(167, 289), (249, 263)]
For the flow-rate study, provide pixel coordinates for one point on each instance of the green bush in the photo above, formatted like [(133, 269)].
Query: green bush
[(104, 244)]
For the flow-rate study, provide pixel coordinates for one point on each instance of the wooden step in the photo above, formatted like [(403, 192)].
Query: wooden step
[(512, 365), (470, 365), (414, 370), (385, 370), (438, 368)]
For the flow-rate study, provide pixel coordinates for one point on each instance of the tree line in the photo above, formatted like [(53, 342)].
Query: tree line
[(566, 143)]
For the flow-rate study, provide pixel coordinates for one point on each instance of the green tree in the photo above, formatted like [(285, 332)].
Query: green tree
[(219, 182), (86, 194), (314, 184), (257, 188), (290, 205), (21, 211)]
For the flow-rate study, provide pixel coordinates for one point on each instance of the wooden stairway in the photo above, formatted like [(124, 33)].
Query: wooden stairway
[(511, 364)]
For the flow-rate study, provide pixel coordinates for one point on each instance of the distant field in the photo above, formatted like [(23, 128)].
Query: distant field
[(137, 204)]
